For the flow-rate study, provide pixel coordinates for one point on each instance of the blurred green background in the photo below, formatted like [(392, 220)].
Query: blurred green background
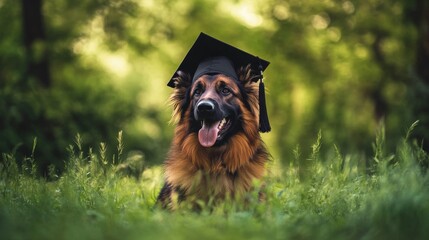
[(95, 67)]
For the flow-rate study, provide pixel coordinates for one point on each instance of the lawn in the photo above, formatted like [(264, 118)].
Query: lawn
[(99, 197)]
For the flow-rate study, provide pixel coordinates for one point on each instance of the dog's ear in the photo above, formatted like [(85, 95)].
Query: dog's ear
[(180, 98), (248, 78)]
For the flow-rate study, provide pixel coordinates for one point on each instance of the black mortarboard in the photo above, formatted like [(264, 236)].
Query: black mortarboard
[(209, 55)]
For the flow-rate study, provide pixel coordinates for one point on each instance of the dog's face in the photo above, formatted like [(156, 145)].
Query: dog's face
[(215, 108)]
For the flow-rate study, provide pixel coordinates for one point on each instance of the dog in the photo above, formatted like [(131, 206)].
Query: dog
[(217, 151)]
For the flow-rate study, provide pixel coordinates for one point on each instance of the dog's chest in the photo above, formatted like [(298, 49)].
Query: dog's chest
[(219, 184)]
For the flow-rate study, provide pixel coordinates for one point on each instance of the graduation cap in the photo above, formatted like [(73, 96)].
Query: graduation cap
[(212, 56)]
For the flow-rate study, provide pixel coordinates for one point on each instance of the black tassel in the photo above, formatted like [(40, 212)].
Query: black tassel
[(264, 123)]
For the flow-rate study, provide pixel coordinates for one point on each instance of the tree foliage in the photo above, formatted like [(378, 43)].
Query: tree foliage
[(337, 66)]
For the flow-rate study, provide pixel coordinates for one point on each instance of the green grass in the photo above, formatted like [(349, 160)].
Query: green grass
[(95, 199)]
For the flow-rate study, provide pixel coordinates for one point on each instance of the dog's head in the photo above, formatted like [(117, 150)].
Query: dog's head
[(215, 107)]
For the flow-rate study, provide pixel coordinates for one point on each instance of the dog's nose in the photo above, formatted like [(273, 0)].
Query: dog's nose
[(205, 107)]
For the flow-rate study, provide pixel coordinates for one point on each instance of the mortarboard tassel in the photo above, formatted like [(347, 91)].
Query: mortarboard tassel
[(264, 123)]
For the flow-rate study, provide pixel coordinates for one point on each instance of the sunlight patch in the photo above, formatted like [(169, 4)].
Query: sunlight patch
[(245, 12), (320, 21), (281, 11), (115, 63)]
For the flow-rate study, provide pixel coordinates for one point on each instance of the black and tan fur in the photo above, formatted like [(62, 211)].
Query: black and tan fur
[(227, 169)]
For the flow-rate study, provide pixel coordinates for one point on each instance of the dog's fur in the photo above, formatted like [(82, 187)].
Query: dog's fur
[(227, 169)]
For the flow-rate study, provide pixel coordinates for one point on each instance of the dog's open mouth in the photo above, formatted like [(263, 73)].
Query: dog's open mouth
[(211, 132)]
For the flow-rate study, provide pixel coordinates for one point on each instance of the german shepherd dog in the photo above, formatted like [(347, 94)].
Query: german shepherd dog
[(217, 150)]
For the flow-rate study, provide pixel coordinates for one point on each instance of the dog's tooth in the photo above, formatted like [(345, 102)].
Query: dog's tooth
[(222, 123)]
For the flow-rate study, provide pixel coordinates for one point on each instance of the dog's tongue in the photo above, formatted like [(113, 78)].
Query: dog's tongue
[(208, 134)]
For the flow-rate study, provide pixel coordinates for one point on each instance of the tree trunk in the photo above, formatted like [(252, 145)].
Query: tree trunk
[(422, 68), (423, 41), (35, 42)]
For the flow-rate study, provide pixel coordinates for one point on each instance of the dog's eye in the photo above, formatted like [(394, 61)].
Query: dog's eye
[(198, 91), (225, 91)]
